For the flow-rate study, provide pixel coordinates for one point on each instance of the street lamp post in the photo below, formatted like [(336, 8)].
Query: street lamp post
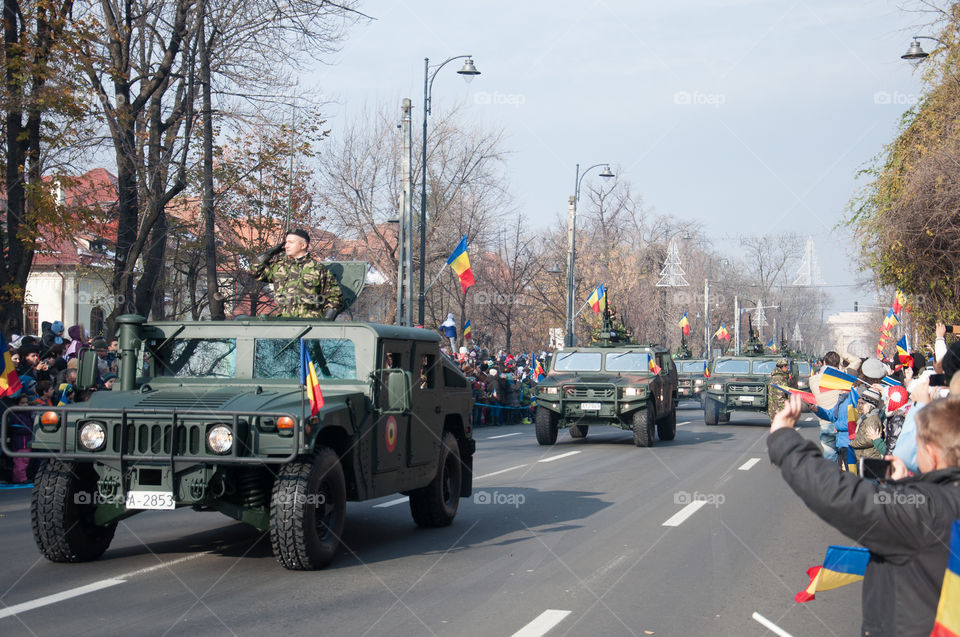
[(568, 337), (468, 71)]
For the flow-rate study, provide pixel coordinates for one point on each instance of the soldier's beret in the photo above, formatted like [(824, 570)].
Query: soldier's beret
[(300, 232)]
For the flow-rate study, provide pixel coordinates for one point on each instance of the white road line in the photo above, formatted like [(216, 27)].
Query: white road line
[(746, 466), (686, 422), (58, 597), (543, 623), (562, 455), (680, 516), (157, 567), (496, 473), (391, 503), (504, 435), (766, 623)]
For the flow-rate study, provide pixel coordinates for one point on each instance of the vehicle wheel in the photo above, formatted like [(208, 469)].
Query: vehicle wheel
[(711, 411), (61, 513), (307, 512), (667, 426), (546, 426), (643, 425), (436, 504), (579, 431)]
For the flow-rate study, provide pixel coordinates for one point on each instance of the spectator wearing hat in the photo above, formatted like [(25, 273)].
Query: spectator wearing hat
[(31, 365), (302, 286), (20, 433), (45, 389), (108, 380)]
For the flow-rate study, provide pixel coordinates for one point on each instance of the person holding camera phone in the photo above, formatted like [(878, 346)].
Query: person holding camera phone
[(904, 521)]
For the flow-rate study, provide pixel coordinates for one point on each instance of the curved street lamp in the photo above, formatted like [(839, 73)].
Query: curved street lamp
[(915, 54), (468, 71), (606, 173)]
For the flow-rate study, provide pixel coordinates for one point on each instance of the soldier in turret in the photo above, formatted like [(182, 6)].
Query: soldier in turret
[(302, 286)]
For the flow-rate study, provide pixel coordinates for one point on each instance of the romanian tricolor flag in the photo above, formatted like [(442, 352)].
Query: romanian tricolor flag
[(947, 623), (653, 367), (467, 330), (806, 396), (684, 325), (9, 381), (772, 346), (460, 262), (903, 351), (722, 334), (598, 297), (833, 378), (899, 302), (538, 371), (891, 320), (308, 378), (842, 565), (852, 417)]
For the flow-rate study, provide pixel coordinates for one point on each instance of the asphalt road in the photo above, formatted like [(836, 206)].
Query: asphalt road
[(562, 540)]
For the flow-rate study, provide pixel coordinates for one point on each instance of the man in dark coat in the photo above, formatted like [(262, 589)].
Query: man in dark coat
[(904, 521)]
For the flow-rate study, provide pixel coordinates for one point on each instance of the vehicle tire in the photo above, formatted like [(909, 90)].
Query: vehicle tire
[(643, 425), (667, 426), (711, 411), (61, 513), (579, 431), (546, 426), (307, 512), (436, 504)]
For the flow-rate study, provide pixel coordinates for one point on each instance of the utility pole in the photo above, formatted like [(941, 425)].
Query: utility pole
[(405, 231)]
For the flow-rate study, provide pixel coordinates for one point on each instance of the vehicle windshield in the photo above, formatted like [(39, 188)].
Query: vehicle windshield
[(578, 361), (198, 358), (764, 367), (803, 368), (332, 358), (628, 362), (692, 367), (732, 366)]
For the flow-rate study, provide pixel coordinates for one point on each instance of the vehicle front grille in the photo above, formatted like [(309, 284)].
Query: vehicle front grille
[(185, 400), (685, 383), (156, 439), (745, 389), (572, 391)]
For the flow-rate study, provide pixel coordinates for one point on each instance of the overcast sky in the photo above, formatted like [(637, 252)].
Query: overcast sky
[(749, 117)]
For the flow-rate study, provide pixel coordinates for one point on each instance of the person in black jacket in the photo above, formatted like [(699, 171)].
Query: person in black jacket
[(904, 521)]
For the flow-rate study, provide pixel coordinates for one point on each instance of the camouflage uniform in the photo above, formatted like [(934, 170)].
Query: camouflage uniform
[(776, 399), (302, 288)]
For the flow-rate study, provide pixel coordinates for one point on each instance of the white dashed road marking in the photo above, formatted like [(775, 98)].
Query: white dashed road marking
[(746, 466), (562, 455), (680, 516), (390, 503), (543, 623), (504, 435), (769, 625), (496, 473)]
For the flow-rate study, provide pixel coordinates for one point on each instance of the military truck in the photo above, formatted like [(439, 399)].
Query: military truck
[(213, 415), (690, 378), (612, 382)]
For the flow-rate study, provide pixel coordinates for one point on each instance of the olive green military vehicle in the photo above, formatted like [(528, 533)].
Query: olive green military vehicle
[(213, 415), (737, 383), (613, 382), (690, 378)]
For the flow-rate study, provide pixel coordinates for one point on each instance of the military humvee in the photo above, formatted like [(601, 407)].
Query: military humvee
[(737, 383), (690, 377), (213, 415), (613, 382)]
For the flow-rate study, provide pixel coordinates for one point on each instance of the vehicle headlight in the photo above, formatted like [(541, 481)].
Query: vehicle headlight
[(551, 390), (93, 436), (220, 439), (716, 386), (632, 391)]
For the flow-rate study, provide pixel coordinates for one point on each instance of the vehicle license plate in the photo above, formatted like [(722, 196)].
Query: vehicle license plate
[(746, 399), (150, 500), (590, 406)]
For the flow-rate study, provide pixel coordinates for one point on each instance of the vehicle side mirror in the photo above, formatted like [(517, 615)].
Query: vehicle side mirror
[(398, 392), (87, 370)]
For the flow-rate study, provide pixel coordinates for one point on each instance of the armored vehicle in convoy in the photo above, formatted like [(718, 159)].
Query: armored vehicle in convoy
[(611, 382), (214, 415), (690, 377)]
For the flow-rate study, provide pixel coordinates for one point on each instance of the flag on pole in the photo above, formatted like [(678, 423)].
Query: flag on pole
[(460, 262), (899, 302), (833, 378), (806, 396), (722, 334), (903, 351), (842, 565), (598, 297), (772, 346), (9, 381), (467, 330), (684, 325), (947, 623), (538, 372), (652, 366), (308, 378)]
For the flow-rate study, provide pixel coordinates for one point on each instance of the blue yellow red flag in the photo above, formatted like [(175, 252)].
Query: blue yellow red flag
[(598, 297), (722, 334), (842, 565), (460, 262), (684, 324), (653, 367), (947, 623), (467, 330), (806, 396), (9, 380), (308, 378), (833, 378)]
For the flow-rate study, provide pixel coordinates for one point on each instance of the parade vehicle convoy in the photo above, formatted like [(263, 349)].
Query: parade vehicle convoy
[(690, 378), (212, 415), (611, 382), (737, 383)]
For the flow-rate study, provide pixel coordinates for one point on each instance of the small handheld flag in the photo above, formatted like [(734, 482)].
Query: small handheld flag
[(903, 351), (467, 330), (833, 378), (806, 396), (460, 262), (947, 623), (653, 367), (684, 325), (842, 565), (598, 296), (9, 381), (308, 378), (539, 373)]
